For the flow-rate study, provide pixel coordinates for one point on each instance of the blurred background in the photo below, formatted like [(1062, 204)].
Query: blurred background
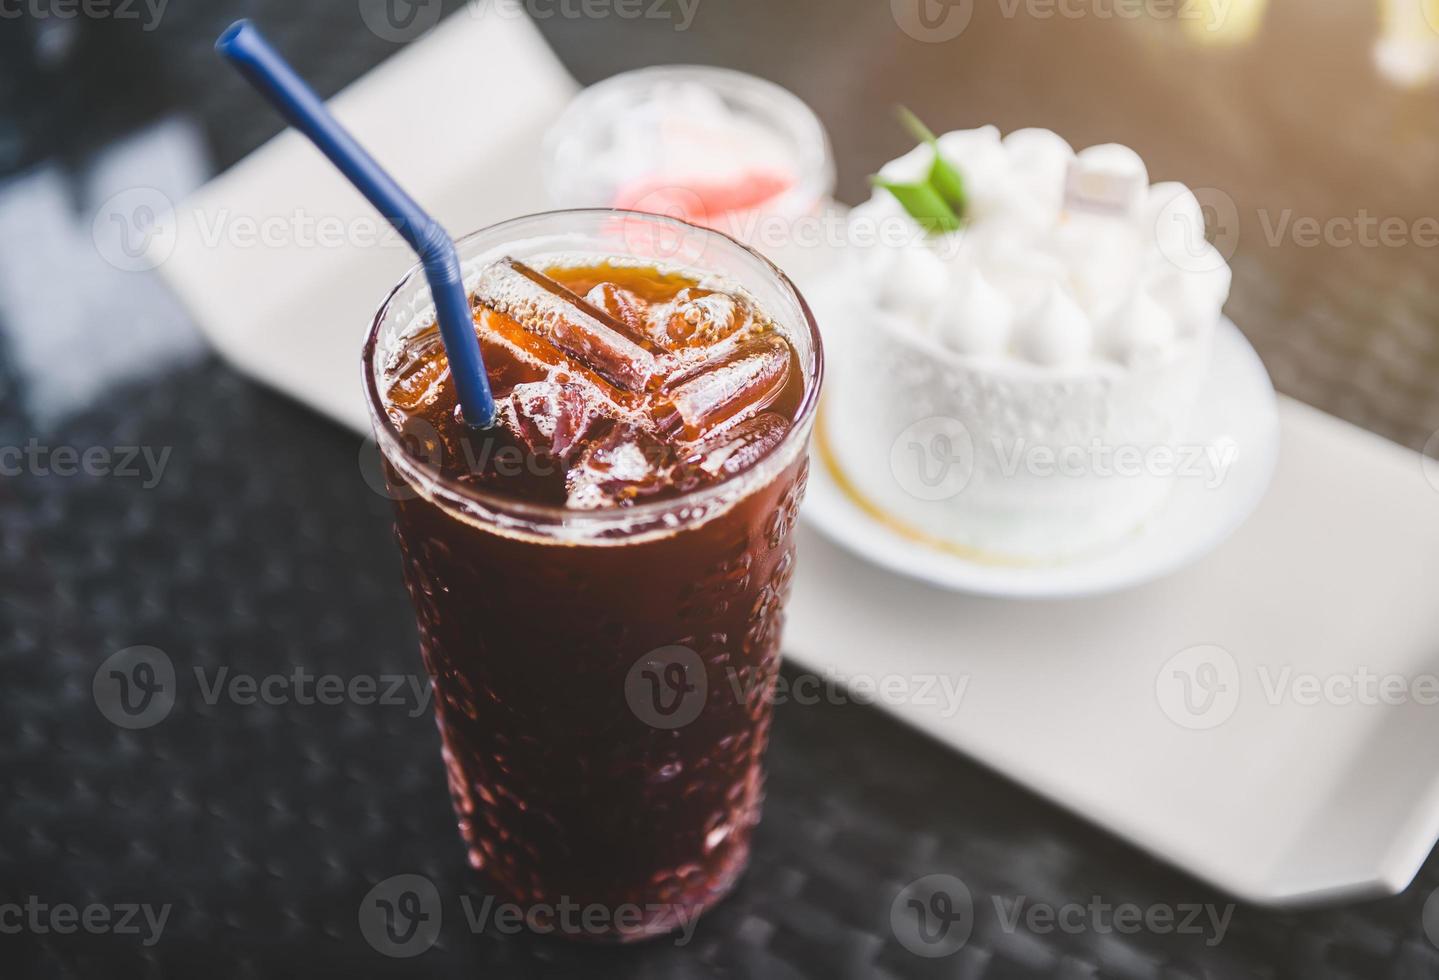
[(1310, 123), (1309, 126)]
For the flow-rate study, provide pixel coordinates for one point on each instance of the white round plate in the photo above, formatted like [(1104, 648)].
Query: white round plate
[(1237, 404)]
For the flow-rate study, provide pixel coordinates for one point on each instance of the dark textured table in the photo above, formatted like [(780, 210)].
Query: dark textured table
[(258, 830)]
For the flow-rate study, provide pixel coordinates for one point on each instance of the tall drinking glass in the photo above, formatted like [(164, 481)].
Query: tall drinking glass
[(603, 677)]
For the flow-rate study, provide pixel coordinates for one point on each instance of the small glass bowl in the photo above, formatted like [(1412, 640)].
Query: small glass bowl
[(708, 145)]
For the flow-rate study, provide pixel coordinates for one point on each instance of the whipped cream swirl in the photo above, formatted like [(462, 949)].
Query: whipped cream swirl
[(1065, 259)]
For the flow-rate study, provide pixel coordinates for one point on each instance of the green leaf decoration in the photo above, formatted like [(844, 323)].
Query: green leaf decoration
[(943, 175), (923, 203), (938, 201)]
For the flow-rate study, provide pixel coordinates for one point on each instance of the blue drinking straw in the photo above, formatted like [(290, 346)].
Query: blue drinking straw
[(246, 48)]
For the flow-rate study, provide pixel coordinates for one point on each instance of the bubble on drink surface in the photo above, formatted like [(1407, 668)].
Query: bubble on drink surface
[(701, 317)]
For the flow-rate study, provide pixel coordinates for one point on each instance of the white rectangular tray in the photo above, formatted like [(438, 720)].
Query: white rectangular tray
[(1296, 796), (1336, 571)]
